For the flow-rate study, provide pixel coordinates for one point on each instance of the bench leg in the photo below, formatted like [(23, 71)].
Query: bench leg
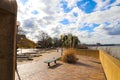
[(55, 61), (48, 64)]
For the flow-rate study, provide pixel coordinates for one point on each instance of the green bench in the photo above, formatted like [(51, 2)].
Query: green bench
[(52, 60)]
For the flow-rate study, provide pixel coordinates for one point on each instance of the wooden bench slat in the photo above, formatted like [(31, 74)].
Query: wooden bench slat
[(52, 60)]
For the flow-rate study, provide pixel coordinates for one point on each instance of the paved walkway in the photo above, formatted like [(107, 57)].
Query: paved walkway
[(87, 68)]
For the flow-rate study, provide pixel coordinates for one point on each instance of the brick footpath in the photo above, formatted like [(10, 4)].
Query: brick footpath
[(86, 68)]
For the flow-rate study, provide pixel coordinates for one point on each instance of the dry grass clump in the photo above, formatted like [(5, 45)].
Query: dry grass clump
[(69, 56)]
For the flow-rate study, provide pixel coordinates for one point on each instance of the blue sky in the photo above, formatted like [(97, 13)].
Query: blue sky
[(23, 1), (92, 21), (87, 6)]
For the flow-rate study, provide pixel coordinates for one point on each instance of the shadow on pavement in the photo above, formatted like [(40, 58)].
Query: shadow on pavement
[(83, 64), (96, 62)]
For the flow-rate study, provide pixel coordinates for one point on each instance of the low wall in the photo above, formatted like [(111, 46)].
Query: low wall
[(110, 65), (88, 52)]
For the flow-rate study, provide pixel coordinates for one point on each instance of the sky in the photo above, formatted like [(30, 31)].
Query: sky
[(93, 21)]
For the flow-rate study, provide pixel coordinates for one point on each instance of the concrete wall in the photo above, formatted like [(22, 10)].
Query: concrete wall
[(110, 65), (8, 14), (88, 52)]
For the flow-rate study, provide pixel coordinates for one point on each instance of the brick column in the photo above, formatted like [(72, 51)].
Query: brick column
[(8, 15)]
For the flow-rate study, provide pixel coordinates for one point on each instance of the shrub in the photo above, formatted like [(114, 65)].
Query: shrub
[(69, 56)]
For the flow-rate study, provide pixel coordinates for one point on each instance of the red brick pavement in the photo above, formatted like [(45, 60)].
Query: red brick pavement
[(86, 68)]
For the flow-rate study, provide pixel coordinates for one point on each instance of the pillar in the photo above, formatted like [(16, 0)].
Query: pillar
[(8, 14)]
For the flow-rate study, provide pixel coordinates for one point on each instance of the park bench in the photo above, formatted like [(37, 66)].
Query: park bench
[(51, 60), (24, 57)]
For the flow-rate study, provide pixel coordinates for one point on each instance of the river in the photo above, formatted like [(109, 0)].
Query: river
[(112, 50)]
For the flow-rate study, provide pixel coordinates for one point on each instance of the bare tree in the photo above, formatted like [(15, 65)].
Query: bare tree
[(20, 31), (56, 42), (44, 39)]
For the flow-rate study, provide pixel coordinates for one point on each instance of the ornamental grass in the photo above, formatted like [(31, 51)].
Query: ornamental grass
[(69, 56)]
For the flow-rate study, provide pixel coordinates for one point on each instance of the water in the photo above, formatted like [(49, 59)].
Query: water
[(112, 50)]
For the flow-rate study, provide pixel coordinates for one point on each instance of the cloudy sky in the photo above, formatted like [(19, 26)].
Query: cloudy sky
[(91, 20)]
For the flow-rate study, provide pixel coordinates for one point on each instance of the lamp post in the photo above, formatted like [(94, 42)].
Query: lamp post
[(21, 43), (18, 24)]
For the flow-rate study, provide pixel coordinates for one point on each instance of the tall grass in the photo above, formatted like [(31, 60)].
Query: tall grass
[(69, 56)]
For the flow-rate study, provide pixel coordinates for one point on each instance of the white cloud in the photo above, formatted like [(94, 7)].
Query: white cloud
[(102, 16), (50, 13)]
